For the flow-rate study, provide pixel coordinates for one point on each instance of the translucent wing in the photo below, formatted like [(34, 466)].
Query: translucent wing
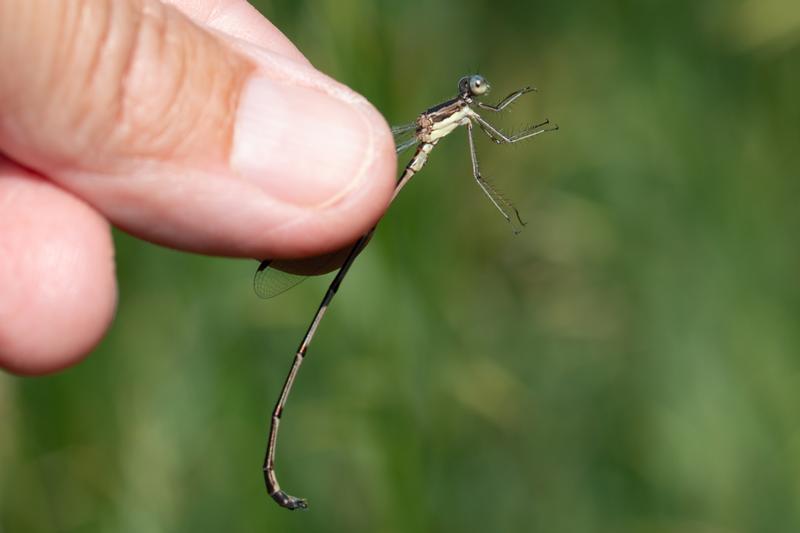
[(405, 136), (404, 128), (274, 277), (270, 281), (405, 145)]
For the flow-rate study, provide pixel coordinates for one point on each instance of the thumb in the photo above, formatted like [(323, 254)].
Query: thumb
[(186, 136)]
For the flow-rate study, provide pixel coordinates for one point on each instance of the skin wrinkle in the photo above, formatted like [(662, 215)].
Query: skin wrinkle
[(124, 100), (150, 27), (176, 139), (65, 29), (67, 74), (104, 42), (241, 68), (182, 88), (223, 86), (124, 73), (232, 99), (55, 59), (155, 30)]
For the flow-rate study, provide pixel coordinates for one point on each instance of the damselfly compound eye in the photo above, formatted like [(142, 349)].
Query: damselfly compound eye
[(478, 85), (474, 85)]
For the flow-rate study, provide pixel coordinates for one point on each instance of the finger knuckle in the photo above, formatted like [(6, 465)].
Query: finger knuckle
[(136, 79)]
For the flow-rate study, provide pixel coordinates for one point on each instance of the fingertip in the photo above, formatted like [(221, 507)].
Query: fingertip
[(305, 146), (371, 190), (318, 148), (351, 210), (57, 274)]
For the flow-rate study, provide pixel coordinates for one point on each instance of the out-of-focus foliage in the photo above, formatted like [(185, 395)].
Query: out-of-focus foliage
[(629, 363)]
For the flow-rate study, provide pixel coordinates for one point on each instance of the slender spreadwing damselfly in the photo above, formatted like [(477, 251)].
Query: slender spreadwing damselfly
[(424, 133)]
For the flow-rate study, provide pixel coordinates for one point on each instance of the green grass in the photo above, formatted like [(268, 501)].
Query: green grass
[(629, 363)]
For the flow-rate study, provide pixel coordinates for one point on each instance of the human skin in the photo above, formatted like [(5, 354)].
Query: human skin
[(193, 124)]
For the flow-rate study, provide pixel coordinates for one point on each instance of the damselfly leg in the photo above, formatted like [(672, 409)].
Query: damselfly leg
[(506, 208), (501, 138), (505, 102)]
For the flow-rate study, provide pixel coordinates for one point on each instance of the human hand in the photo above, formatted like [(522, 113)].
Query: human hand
[(194, 124)]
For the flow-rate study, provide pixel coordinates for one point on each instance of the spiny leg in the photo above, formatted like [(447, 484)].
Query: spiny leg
[(501, 138), (500, 202), (505, 102), (273, 488)]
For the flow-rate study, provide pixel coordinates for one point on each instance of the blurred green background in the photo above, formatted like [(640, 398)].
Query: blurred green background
[(629, 363)]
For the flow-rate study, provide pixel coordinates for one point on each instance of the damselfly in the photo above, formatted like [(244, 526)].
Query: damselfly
[(424, 133)]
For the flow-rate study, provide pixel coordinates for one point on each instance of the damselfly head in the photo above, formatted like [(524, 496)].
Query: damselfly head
[(474, 85)]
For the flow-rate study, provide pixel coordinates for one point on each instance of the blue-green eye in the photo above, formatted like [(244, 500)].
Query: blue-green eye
[(478, 85), (474, 85)]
